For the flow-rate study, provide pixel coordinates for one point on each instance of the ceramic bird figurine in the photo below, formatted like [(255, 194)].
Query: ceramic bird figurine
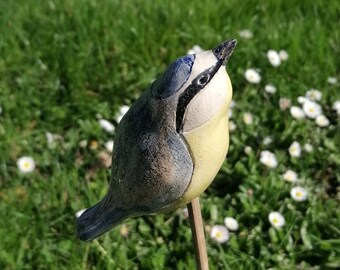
[(171, 143)]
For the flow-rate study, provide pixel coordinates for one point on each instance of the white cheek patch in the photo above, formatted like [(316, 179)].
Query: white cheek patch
[(208, 101)]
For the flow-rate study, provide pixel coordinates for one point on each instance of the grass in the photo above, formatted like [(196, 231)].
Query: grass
[(65, 63)]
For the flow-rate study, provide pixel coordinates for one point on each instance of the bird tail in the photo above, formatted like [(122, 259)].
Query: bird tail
[(98, 219)]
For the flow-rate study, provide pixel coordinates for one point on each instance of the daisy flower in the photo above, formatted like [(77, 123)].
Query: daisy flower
[(195, 49), (290, 176), (311, 109), (283, 55), (122, 111), (267, 140), (26, 164), (308, 147), (295, 149), (302, 100), (248, 150), (284, 103), (83, 143), (273, 58), (276, 219), (270, 89), (336, 106), (124, 230), (231, 223), (80, 212), (232, 126), (232, 104), (49, 137), (297, 112), (332, 80), (246, 34), (219, 233), (109, 145), (298, 194), (252, 76), (268, 159), (314, 94), (230, 113), (248, 118), (322, 121), (106, 125)]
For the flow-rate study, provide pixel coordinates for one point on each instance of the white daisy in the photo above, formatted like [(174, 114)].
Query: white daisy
[(246, 34), (122, 111), (283, 55), (231, 223), (268, 159), (314, 94), (322, 121), (124, 230), (297, 112), (230, 112), (195, 49), (267, 140), (106, 125), (336, 106), (270, 89), (83, 143), (302, 100), (332, 80), (232, 126), (273, 58), (26, 164), (308, 147), (219, 233), (80, 212), (252, 76), (247, 118), (295, 149), (232, 104), (248, 150), (276, 219), (290, 176), (109, 145), (299, 194), (49, 137), (284, 103), (312, 109)]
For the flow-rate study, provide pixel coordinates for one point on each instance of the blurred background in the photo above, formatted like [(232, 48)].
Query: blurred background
[(70, 69)]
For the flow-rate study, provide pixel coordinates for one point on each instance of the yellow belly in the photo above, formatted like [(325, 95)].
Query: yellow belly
[(208, 147)]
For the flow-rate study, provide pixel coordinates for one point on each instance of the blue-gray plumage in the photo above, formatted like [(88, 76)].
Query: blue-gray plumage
[(153, 163)]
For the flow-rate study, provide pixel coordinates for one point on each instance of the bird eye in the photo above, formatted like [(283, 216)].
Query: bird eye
[(203, 79)]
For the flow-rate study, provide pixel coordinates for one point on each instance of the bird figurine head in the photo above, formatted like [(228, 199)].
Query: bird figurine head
[(171, 143)]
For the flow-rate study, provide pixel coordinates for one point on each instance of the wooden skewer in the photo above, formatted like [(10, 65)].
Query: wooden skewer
[(197, 231)]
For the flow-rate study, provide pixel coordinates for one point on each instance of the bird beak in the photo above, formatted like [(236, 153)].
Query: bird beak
[(225, 50)]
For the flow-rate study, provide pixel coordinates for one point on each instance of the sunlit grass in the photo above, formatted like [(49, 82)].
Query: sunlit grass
[(66, 64)]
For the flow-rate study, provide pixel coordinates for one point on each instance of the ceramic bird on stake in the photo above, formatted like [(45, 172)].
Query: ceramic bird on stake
[(171, 143)]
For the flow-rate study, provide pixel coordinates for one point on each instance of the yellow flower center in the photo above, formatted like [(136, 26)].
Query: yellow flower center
[(218, 234), (26, 165), (298, 194), (275, 220)]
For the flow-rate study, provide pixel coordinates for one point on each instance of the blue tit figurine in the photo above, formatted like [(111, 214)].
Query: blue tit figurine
[(171, 143)]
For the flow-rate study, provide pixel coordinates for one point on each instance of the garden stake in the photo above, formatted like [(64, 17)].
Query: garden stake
[(169, 145), (197, 231)]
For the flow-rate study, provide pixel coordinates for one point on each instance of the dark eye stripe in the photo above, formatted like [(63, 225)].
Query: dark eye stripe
[(190, 92)]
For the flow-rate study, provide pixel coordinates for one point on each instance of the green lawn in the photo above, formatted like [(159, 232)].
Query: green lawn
[(65, 64)]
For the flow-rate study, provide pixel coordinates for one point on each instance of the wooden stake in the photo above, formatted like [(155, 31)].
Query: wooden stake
[(197, 231)]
